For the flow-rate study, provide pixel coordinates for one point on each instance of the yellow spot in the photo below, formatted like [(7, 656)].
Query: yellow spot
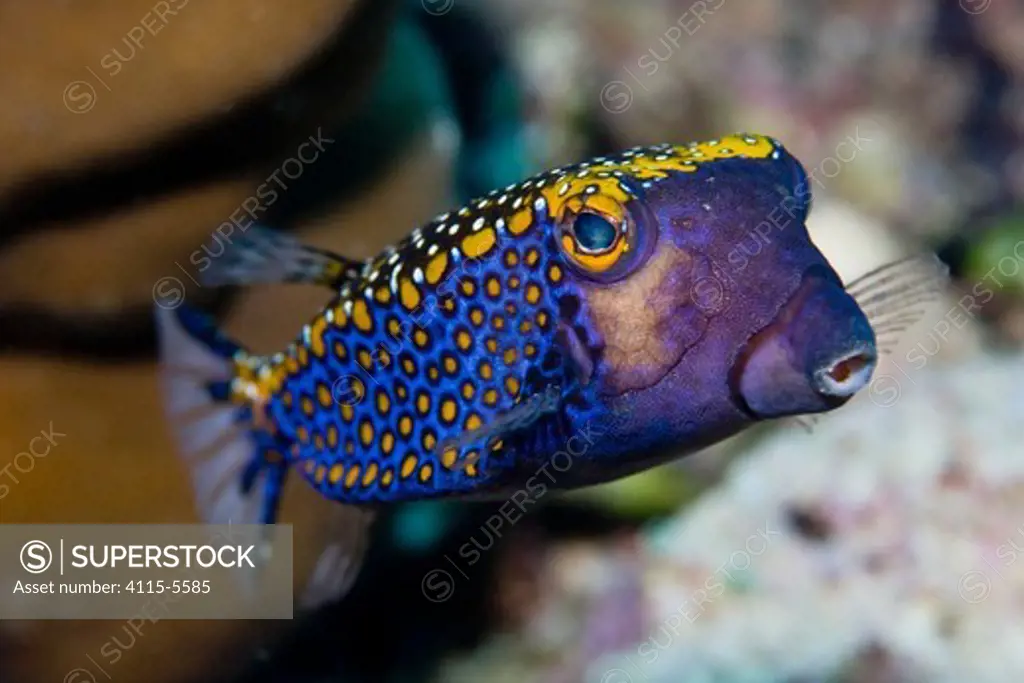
[(321, 472), (449, 410), (491, 397), (425, 473), (337, 471), (366, 432), (383, 402), (511, 258), (555, 273), (492, 344), (471, 470), (352, 477), (291, 365), (493, 287), (436, 267), (432, 372), (511, 308), (429, 441), (448, 304), (476, 316), (382, 295), (512, 386), (472, 422), (401, 391), (468, 287), (286, 398), (409, 293), (323, 394), (530, 350), (405, 425), (513, 282), (486, 371), (370, 475), (340, 318), (423, 403), (421, 338), (449, 457), (542, 319), (497, 322), (332, 436), (383, 358), (409, 366), (525, 326), (394, 327), (451, 366), (350, 446), (463, 340), (496, 446), (346, 412), (361, 316), (479, 243), (303, 356), (532, 293), (510, 356), (387, 443), (340, 352), (307, 405), (316, 336), (364, 358), (318, 442), (409, 466), (468, 390), (310, 467), (520, 221), (387, 477), (532, 256)]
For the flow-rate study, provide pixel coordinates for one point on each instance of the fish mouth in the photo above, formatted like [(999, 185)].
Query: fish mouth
[(815, 356)]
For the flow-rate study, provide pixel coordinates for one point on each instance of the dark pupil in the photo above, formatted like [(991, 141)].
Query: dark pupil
[(593, 232)]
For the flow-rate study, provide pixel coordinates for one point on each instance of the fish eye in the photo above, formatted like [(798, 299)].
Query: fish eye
[(594, 233)]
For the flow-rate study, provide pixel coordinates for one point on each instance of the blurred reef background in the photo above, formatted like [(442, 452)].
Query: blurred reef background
[(881, 545)]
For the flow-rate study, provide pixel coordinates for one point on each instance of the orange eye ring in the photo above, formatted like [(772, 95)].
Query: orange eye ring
[(596, 259)]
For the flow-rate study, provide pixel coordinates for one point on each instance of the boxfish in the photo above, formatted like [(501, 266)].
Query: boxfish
[(613, 307)]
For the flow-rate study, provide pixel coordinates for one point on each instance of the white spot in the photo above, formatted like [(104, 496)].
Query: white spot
[(463, 211), (517, 203), (394, 278), (647, 185), (482, 204), (328, 316), (539, 204), (478, 223), (368, 292), (583, 174), (432, 250), (440, 228), (373, 275), (500, 225), (775, 154), (417, 276), (456, 254), (347, 307), (563, 190), (502, 199), (393, 259), (454, 229)]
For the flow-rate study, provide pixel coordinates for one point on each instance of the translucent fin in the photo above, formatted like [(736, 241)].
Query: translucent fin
[(265, 256), (227, 455), (895, 296)]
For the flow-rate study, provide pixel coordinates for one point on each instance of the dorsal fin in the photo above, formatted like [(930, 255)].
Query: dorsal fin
[(264, 256)]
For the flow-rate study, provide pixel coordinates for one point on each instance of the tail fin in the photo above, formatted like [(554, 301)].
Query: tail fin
[(222, 449), (211, 399)]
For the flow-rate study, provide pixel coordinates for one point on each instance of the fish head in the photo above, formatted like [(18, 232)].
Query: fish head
[(695, 302)]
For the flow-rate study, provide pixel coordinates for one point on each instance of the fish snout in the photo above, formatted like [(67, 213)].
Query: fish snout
[(814, 357)]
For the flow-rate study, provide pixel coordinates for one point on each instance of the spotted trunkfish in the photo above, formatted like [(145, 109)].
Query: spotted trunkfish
[(601, 297)]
